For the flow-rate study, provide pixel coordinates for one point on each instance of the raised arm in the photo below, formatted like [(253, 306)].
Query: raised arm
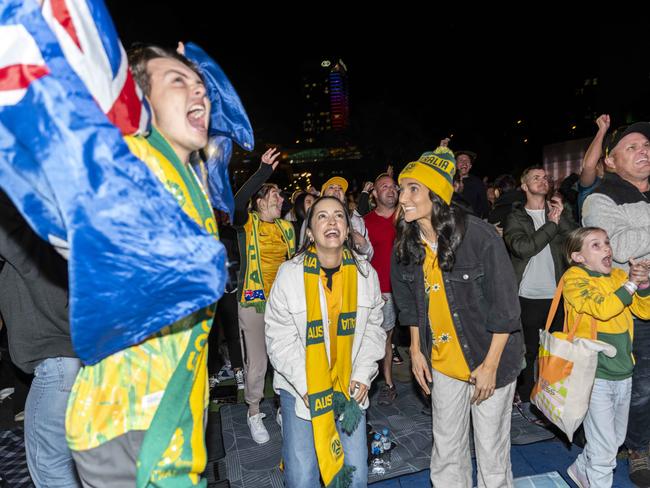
[(594, 152), (270, 160)]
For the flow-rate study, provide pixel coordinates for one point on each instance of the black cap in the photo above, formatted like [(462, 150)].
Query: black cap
[(615, 137), (471, 154)]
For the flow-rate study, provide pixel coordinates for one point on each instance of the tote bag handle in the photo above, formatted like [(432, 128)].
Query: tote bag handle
[(553, 310)]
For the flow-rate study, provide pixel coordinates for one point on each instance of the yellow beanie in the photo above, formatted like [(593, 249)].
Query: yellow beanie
[(435, 170), (335, 180)]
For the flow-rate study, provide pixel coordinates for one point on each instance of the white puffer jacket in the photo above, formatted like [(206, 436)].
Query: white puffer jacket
[(286, 329)]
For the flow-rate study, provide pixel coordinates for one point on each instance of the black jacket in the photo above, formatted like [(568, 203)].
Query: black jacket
[(482, 294), (503, 206), (33, 292), (475, 193), (524, 241)]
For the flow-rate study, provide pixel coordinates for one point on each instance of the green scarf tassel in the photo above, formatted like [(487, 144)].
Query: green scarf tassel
[(343, 478), (348, 411)]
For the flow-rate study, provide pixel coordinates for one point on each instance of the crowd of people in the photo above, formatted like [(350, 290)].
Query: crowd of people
[(317, 289)]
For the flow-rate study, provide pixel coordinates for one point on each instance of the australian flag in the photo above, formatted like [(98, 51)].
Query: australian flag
[(136, 262)]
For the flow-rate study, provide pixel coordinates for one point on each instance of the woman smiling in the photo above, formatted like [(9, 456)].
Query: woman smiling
[(455, 287), (324, 316)]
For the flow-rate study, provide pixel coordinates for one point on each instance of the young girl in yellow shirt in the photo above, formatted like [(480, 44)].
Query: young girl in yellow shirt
[(610, 295)]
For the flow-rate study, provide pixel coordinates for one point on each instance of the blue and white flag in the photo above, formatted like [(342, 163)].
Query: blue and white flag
[(136, 261), (228, 123)]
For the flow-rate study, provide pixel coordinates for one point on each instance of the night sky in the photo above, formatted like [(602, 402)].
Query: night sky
[(410, 86)]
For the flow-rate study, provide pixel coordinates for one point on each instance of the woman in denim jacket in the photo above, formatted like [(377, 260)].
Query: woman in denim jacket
[(455, 288)]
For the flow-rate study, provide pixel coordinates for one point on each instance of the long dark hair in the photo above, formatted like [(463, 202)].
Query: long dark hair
[(349, 241), (448, 222), (299, 206)]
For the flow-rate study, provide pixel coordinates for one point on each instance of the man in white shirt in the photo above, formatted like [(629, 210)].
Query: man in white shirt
[(535, 233)]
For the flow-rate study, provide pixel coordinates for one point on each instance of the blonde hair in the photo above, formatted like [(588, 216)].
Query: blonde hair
[(576, 239)]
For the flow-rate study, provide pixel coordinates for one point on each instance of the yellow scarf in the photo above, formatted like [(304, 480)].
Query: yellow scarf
[(253, 286), (329, 395)]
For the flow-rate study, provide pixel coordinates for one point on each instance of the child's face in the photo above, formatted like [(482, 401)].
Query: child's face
[(596, 253)]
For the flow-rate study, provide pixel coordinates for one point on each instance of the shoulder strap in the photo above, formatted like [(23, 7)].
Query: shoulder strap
[(553, 310)]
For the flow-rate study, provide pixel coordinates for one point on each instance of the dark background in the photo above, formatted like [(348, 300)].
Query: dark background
[(415, 80)]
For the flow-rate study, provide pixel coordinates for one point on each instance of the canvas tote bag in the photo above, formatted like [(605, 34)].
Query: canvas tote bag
[(566, 368)]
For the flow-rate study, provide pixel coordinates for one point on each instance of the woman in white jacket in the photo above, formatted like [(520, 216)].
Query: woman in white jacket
[(324, 338)]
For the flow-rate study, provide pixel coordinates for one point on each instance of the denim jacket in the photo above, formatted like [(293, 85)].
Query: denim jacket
[(481, 291)]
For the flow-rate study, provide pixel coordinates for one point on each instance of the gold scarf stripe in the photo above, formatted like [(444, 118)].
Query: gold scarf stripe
[(326, 391)]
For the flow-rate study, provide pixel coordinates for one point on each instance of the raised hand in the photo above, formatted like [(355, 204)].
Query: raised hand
[(272, 157), (603, 123)]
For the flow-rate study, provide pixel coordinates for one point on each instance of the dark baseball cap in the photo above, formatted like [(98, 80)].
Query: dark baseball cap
[(615, 137), (472, 155)]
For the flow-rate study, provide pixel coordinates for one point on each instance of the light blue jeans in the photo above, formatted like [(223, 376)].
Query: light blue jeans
[(299, 453), (605, 427), (48, 457)]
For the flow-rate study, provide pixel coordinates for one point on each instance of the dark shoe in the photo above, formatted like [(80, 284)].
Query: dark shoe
[(639, 468), (397, 358), (387, 395)]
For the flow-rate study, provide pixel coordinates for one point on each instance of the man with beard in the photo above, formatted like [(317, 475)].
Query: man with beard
[(535, 233), (381, 233)]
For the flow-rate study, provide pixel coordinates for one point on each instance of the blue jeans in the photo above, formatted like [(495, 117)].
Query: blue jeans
[(299, 454), (48, 457), (605, 426), (638, 427)]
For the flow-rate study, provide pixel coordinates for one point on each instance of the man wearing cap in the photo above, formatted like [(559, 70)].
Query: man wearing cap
[(336, 187), (621, 206), (474, 190)]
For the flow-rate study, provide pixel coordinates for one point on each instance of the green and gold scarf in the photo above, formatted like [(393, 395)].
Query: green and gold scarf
[(173, 452), (253, 285), (329, 395)]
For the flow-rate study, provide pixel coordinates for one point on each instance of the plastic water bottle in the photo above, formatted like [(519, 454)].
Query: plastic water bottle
[(385, 440), (376, 451), (386, 448), (376, 446)]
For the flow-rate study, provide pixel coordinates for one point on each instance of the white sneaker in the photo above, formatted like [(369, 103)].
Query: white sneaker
[(213, 381), (239, 378), (258, 431), (578, 477), (278, 418), (6, 392), (225, 373)]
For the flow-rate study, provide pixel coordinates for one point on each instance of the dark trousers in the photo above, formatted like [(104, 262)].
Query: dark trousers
[(638, 426), (226, 320), (533, 318)]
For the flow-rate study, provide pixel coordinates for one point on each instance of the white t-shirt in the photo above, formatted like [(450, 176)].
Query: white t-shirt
[(538, 281)]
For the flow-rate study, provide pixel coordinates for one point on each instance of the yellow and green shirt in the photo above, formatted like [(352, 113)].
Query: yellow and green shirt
[(122, 392), (446, 353), (604, 298), (273, 252)]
